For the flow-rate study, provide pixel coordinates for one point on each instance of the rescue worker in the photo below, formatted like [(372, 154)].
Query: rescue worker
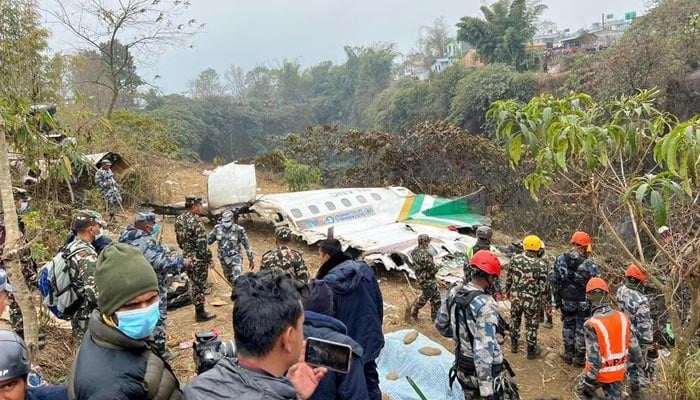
[(142, 234), (284, 257), (107, 184), (632, 301), (610, 345), (526, 286), (425, 269), (470, 316), (547, 296), (231, 237), (5, 290), (483, 242), (192, 239), (571, 273)]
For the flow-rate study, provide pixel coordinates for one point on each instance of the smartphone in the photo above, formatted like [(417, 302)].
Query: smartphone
[(332, 355)]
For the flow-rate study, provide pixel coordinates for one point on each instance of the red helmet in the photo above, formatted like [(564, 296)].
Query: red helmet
[(597, 283), (487, 262), (581, 238), (634, 271)]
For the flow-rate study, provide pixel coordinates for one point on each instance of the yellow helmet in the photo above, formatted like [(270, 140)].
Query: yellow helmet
[(532, 243)]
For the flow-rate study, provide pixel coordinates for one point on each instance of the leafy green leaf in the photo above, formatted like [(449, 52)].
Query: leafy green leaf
[(658, 207)]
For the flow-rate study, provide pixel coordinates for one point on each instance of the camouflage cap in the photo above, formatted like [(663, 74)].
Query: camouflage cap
[(4, 284), (227, 216), (106, 162), (423, 238), (145, 216), (82, 216), (283, 234), (192, 200), (20, 194)]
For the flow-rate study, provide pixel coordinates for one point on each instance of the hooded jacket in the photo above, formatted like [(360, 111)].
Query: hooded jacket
[(110, 365), (230, 380), (358, 301), (335, 385)]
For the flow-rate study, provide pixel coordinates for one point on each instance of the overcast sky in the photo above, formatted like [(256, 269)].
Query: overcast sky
[(249, 32)]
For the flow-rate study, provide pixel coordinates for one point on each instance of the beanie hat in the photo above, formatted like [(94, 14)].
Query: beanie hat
[(122, 273), (317, 296)]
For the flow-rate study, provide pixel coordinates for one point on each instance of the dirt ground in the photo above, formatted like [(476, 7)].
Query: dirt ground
[(546, 377)]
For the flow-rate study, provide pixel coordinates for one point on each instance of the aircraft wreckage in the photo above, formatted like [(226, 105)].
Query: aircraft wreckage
[(380, 225)]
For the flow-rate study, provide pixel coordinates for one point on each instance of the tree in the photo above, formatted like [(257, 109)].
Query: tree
[(118, 29), (207, 84), (433, 40), (504, 32), (631, 162), (234, 81)]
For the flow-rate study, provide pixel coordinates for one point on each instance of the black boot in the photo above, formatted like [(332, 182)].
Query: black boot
[(579, 359), (533, 351), (568, 354), (513, 345), (202, 316)]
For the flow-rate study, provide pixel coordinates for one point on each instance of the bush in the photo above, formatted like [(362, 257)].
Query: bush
[(301, 176), (273, 161)]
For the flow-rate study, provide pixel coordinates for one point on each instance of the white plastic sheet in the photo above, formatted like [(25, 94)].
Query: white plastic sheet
[(429, 373)]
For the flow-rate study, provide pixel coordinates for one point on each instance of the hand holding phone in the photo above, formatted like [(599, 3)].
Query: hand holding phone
[(331, 355)]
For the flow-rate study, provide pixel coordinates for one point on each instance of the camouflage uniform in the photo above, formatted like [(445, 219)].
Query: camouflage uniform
[(569, 278), (192, 239), (425, 270), (633, 303), (86, 261), (612, 390), (483, 358), (481, 244), (230, 240), (162, 264), (104, 179), (288, 260), (526, 284)]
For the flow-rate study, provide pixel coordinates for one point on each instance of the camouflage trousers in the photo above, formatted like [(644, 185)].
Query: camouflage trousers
[(429, 292), (572, 331), (113, 199), (232, 266), (612, 391), (79, 320), (531, 312), (159, 335), (198, 273)]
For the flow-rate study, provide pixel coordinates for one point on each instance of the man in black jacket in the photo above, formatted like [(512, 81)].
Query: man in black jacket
[(115, 359), (267, 325), (358, 304)]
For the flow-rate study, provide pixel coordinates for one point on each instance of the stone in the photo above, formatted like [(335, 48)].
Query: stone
[(410, 337), (429, 351), (392, 376)]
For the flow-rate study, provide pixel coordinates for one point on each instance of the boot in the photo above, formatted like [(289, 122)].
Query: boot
[(548, 324), (637, 395), (202, 316), (533, 351), (513, 345), (568, 354), (579, 360)]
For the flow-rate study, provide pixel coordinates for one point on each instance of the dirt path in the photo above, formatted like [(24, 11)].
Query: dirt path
[(543, 378)]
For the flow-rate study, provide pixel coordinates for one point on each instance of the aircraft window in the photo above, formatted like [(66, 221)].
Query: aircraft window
[(330, 206), (376, 196), (361, 198), (313, 209), (296, 213), (345, 202)]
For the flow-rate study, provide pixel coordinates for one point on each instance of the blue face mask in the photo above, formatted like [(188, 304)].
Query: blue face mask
[(138, 324), (155, 230)]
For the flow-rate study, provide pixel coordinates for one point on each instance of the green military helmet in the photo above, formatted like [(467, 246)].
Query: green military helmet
[(283, 234), (423, 238)]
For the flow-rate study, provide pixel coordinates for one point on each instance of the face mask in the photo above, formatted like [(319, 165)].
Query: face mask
[(23, 207), (99, 235), (138, 324), (155, 230), (227, 224)]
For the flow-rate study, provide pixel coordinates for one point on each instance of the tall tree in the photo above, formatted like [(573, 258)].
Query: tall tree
[(504, 32), (117, 29), (207, 84), (234, 81), (433, 40)]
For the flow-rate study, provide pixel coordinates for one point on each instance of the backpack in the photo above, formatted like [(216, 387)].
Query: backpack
[(57, 283)]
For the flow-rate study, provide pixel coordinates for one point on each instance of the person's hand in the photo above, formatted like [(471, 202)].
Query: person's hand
[(252, 265), (305, 378), (498, 296), (188, 263)]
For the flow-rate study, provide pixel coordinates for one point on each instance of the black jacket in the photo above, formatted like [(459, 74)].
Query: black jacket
[(350, 386), (229, 380), (111, 365)]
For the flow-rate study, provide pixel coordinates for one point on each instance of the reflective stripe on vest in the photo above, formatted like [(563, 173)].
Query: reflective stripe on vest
[(613, 334)]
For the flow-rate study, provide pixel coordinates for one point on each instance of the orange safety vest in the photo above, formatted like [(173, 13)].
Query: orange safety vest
[(613, 332)]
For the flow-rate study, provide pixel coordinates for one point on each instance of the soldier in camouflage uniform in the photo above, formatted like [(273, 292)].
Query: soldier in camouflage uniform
[(231, 237), (571, 273), (425, 269), (88, 226), (609, 344), (483, 242), (470, 316), (192, 239), (105, 181), (632, 302), (526, 286), (284, 257), (142, 234)]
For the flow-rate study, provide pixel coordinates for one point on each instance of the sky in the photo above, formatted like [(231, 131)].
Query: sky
[(266, 32)]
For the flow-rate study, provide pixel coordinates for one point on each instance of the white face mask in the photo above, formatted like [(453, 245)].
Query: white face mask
[(100, 234), (23, 207), (227, 224)]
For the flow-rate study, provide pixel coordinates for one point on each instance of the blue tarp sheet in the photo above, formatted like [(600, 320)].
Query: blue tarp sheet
[(429, 373)]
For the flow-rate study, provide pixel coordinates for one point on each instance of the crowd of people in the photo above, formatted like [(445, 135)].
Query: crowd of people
[(120, 319)]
